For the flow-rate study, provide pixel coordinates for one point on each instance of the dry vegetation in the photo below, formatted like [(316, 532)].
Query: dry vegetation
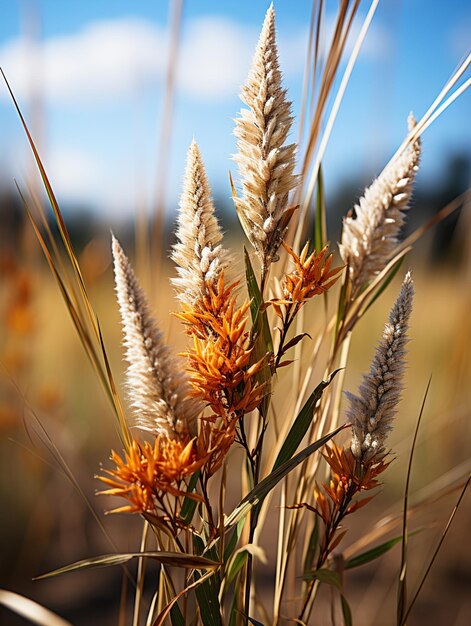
[(245, 485)]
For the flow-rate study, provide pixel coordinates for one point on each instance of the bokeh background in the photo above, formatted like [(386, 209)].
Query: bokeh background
[(93, 81)]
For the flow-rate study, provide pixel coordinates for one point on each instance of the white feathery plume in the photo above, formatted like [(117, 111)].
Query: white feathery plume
[(265, 164), (370, 237), (157, 386), (372, 411), (198, 254)]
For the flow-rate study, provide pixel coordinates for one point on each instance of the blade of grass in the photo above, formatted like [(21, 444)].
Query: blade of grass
[(402, 588), (256, 496), (437, 550), (106, 380), (140, 575), (30, 610), (320, 226), (176, 559), (330, 122), (91, 315), (301, 423), (376, 552), (166, 610)]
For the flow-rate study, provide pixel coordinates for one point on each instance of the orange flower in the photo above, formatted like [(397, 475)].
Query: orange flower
[(148, 472), (214, 443), (221, 368), (312, 274), (348, 479), (206, 317)]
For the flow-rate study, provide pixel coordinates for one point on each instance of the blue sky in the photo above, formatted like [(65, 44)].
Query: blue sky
[(98, 70)]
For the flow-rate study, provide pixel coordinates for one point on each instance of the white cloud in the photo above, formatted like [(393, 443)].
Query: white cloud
[(215, 57), (104, 60), (109, 59), (74, 174)]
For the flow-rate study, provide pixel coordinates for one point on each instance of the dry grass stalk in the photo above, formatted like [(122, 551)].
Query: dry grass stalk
[(265, 163), (372, 411), (370, 236), (198, 254), (157, 387)]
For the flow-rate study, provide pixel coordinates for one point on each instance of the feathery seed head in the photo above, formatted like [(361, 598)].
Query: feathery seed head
[(198, 254), (370, 236), (157, 387), (265, 164), (372, 411)]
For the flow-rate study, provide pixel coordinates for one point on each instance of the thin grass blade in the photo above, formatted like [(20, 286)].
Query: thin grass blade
[(176, 559), (302, 423)]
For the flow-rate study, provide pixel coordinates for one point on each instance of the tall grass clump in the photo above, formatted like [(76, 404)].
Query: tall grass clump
[(195, 421)]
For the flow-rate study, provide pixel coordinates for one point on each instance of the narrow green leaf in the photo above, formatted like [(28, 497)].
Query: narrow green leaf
[(233, 541), (263, 342), (234, 611), (236, 566), (259, 318), (320, 230), (374, 553), (257, 495), (189, 504), (177, 559), (207, 594), (402, 582), (176, 616), (394, 270), (301, 423), (328, 577), (347, 613)]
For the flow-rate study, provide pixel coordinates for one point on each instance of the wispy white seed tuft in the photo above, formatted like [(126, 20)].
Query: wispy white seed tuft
[(370, 236), (157, 387), (265, 164), (198, 253), (372, 411)]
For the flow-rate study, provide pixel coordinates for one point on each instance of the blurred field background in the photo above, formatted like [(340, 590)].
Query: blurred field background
[(136, 138)]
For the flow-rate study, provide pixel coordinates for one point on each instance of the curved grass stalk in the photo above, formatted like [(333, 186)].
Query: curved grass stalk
[(330, 123)]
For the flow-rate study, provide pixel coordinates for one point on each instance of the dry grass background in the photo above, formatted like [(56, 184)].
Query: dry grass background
[(45, 521)]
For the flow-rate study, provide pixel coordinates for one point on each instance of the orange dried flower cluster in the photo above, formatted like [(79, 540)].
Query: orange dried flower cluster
[(148, 472), (214, 442), (203, 319), (312, 274), (349, 478), (221, 371)]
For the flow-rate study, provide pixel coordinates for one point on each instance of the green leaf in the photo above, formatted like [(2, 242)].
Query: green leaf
[(328, 577), (374, 553), (347, 613), (259, 318), (189, 504), (257, 495), (263, 342), (176, 616), (301, 423), (207, 594), (177, 559), (236, 565), (233, 541), (394, 270), (320, 232)]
